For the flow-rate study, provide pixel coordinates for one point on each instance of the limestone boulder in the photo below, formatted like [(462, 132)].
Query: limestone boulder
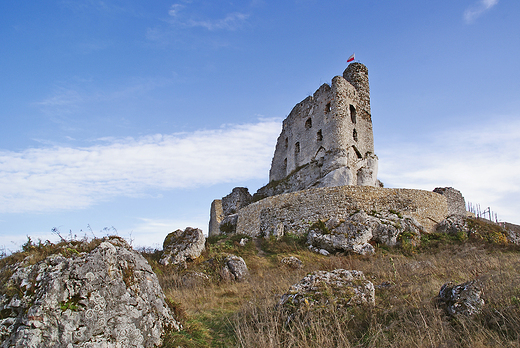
[(339, 287), (182, 246), (106, 298), (454, 224), (292, 262), (234, 269), (355, 233), (350, 235), (465, 299)]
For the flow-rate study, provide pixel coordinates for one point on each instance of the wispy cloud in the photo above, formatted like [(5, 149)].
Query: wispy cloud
[(478, 9), (72, 96), (231, 21), (482, 162), (58, 178)]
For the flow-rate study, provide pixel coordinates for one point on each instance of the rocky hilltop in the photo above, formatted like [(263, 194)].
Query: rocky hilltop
[(98, 294)]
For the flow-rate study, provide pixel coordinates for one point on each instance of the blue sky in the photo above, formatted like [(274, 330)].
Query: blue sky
[(136, 115)]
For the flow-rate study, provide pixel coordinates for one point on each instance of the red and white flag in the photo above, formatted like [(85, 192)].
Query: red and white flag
[(351, 58)]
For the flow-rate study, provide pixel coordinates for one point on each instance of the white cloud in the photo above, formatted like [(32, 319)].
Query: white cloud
[(58, 178), (483, 162), (231, 22), (174, 9), (478, 9)]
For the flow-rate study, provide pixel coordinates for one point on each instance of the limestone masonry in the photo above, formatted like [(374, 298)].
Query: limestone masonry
[(324, 166)]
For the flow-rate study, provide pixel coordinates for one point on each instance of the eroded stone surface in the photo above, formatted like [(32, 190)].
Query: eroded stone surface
[(355, 233), (292, 262), (339, 287), (465, 299), (454, 224), (106, 298), (234, 269), (181, 246)]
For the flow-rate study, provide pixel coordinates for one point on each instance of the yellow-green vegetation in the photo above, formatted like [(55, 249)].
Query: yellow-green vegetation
[(407, 280)]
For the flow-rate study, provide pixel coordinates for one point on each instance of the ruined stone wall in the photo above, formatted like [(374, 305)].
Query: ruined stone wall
[(330, 130), (293, 212), (215, 217), (455, 200)]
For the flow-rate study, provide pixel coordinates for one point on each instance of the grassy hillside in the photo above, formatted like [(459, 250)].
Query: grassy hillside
[(407, 280)]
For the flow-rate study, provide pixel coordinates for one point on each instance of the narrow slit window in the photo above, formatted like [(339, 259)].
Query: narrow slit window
[(353, 113), (286, 142), (297, 148), (358, 154), (319, 136), (354, 135), (308, 123)]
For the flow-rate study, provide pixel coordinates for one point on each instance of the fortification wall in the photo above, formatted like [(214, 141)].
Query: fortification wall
[(292, 212)]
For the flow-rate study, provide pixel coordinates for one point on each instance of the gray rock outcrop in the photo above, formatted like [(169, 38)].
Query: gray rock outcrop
[(292, 262), (234, 269), (454, 224), (236, 200), (182, 246), (465, 299), (355, 233), (339, 287), (106, 298)]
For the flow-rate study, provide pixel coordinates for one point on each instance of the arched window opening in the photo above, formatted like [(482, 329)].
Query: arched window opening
[(308, 123), (296, 148), (353, 113), (319, 136), (354, 135)]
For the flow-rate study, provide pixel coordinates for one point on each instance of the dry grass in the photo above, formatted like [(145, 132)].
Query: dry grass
[(406, 314)]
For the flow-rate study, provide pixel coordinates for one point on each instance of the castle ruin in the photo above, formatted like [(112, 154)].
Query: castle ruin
[(327, 139), (324, 166)]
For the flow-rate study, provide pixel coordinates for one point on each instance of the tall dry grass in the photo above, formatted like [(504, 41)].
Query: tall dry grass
[(406, 312)]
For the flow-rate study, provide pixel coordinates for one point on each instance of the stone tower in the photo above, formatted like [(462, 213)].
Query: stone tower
[(327, 139)]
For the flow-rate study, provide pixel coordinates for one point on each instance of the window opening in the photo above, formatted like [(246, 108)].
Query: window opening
[(354, 135), (327, 107), (319, 136), (286, 142), (308, 123), (297, 148), (358, 154), (352, 113)]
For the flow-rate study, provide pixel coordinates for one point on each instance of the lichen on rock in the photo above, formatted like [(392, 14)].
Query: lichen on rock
[(182, 246), (339, 287), (108, 297), (355, 233)]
